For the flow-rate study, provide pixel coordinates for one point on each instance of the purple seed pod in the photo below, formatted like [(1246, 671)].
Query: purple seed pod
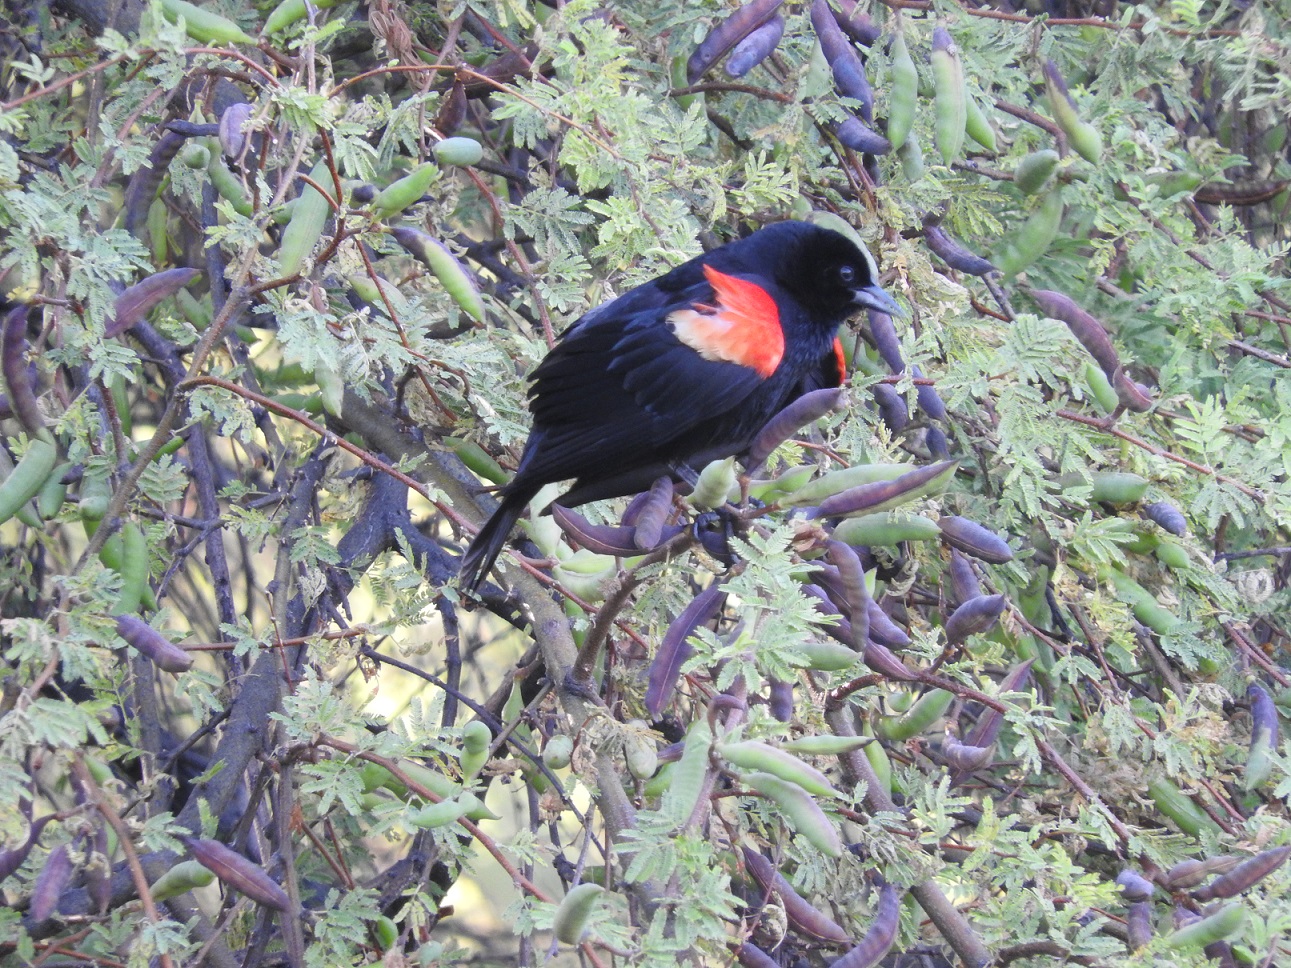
[(239, 873), (884, 495), (963, 580), (807, 409), (1138, 924), (673, 650), (988, 724), (1264, 735), (1088, 330), (1244, 876), (232, 122), (13, 363), (136, 302), (892, 407), (147, 179), (964, 758), (1133, 396), (880, 936), (1167, 516), (857, 135), (755, 48), (1220, 952), (883, 630), (882, 661), (11, 858), (930, 401), (886, 340), (780, 700), (727, 34), (751, 956), (152, 645), (938, 445), (1134, 886), (973, 539), (857, 25), (50, 884), (954, 254), (797, 909), (851, 574), (603, 539), (974, 617), (652, 514), (849, 70)]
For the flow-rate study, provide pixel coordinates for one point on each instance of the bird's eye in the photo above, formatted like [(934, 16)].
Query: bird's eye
[(846, 275)]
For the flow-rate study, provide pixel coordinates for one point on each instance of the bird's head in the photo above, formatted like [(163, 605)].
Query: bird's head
[(829, 274)]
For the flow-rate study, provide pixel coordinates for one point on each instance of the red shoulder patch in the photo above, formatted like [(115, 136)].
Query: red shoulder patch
[(744, 326), (841, 359)]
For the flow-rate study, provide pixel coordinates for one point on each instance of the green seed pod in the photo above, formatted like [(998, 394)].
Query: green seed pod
[(679, 80), (827, 656), (1215, 927), (307, 221), (28, 477), (558, 751), (180, 879), (903, 95), (753, 755), (1117, 488), (1171, 554), (203, 25), (642, 757), (1100, 388), (52, 494), (688, 776), (194, 155), (826, 745), (1034, 237), (386, 932), (575, 911), (227, 185), (716, 481), (1083, 137), (452, 275), (1033, 171), (406, 191), (1172, 802), (815, 491), (881, 765), (800, 809), (158, 238), (289, 12), (911, 156), (1143, 604), (886, 528), (437, 814), (134, 569), (949, 95), (977, 126), (919, 717), (462, 152)]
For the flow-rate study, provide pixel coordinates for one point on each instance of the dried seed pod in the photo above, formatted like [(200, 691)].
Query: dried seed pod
[(603, 539), (885, 495), (1134, 886), (859, 136), (1088, 330), (844, 62), (883, 630), (755, 48), (780, 700), (963, 580), (1133, 396), (239, 873), (974, 617), (973, 539), (807, 409), (136, 302), (1264, 735), (232, 128), (966, 759), (954, 254), (1190, 873), (878, 658), (154, 646), (1138, 924), (1244, 876), (673, 650), (857, 24), (755, 755), (800, 809), (13, 362), (653, 513), (886, 340), (751, 956), (797, 909), (727, 34), (879, 938), (1167, 516), (51, 882), (452, 109), (892, 407), (147, 179)]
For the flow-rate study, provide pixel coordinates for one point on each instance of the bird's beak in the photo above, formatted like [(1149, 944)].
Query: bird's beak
[(872, 297)]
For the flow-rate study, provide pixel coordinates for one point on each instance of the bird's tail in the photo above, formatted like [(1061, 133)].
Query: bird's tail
[(488, 544)]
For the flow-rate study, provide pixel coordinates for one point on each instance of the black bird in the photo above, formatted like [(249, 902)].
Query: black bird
[(685, 369)]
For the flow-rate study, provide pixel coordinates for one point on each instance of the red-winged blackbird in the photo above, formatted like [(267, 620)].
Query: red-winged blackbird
[(685, 369)]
